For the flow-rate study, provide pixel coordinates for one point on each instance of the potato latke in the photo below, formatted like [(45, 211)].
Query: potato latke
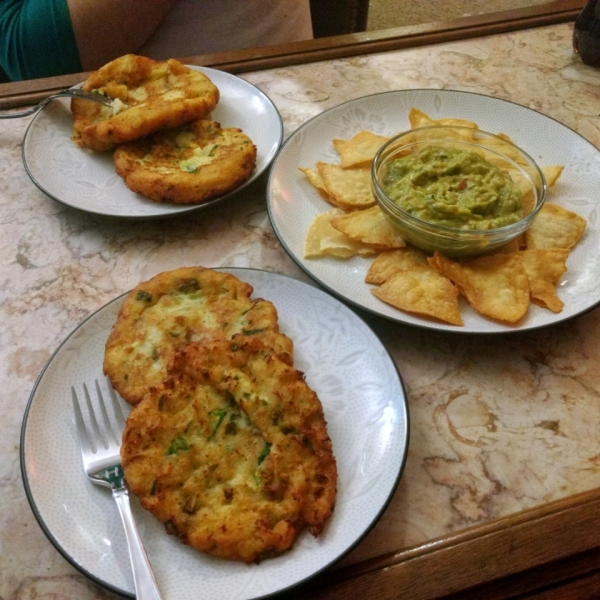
[(190, 164), (174, 308), (231, 452), (149, 96)]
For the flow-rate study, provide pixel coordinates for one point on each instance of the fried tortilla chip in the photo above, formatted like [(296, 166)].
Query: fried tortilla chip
[(322, 239), (359, 150), (555, 227), (349, 189), (394, 261), (422, 291), (496, 286), (552, 173), (369, 226), (314, 177), (418, 118), (502, 144), (544, 268), (513, 246)]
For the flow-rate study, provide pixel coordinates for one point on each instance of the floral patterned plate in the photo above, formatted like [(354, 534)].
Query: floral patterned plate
[(293, 203), (365, 407), (87, 180)]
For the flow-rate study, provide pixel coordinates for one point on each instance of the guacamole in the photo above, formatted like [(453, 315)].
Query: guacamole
[(454, 188)]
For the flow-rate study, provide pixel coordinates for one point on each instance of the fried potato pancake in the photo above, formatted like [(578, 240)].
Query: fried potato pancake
[(174, 308), (151, 95), (187, 165), (232, 452)]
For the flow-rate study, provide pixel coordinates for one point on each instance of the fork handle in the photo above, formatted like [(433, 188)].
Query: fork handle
[(143, 577)]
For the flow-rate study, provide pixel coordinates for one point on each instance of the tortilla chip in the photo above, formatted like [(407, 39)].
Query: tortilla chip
[(369, 226), (347, 188), (511, 247), (424, 292), (324, 240), (441, 138), (359, 150), (544, 267), (392, 262), (314, 177), (555, 227), (552, 173), (525, 187), (503, 145), (496, 286), (418, 118)]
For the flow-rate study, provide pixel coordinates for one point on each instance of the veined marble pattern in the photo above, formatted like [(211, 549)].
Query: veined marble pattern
[(497, 425)]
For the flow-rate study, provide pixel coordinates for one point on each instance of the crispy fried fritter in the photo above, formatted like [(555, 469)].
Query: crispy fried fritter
[(232, 453), (151, 95), (174, 308), (186, 165)]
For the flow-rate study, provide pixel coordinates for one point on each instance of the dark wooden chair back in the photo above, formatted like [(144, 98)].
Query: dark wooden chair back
[(337, 17)]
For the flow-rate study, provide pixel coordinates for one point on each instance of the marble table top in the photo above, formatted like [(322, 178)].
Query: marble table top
[(497, 424)]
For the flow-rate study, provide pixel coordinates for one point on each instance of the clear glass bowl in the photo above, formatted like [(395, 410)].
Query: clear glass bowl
[(457, 242)]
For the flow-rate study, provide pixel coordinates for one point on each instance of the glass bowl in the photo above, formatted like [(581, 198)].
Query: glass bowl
[(452, 238)]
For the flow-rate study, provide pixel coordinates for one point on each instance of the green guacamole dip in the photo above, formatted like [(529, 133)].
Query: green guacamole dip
[(454, 188)]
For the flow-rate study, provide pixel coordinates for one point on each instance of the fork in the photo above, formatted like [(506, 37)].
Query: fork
[(73, 92), (100, 451)]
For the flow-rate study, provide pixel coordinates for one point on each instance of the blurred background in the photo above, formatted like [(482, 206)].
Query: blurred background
[(384, 14)]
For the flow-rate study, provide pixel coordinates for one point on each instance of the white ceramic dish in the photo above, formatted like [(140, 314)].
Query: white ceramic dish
[(87, 180), (293, 203), (365, 407)]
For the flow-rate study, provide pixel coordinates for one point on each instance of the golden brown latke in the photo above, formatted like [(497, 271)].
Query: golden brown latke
[(231, 452), (151, 95), (190, 164), (174, 308)]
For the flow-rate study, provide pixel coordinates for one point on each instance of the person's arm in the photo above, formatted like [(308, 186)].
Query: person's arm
[(36, 39), (106, 29)]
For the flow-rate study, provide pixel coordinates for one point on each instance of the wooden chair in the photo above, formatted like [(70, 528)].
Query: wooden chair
[(337, 17)]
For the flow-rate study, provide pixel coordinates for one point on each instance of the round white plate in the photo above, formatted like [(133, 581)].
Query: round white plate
[(365, 407), (88, 181), (293, 203)]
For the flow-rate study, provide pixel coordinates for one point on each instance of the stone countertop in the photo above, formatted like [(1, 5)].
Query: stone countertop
[(497, 424)]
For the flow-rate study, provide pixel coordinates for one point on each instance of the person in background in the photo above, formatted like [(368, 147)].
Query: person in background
[(43, 38)]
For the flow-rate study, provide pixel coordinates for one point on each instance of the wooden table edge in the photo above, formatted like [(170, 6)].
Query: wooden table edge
[(21, 93), (471, 557)]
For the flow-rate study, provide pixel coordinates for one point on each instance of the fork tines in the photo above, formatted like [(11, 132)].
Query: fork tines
[(109, 433)]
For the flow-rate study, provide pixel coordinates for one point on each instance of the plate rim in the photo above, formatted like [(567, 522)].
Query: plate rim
[(402, 402), (181, 209), (424, 325)]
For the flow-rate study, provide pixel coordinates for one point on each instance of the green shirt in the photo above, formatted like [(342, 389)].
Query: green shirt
[(36, 39)]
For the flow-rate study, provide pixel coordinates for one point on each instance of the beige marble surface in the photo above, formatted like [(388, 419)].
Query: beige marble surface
[(498, 424)]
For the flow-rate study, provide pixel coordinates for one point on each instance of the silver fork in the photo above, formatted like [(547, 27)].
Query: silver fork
[(73, 92), (100, 450)]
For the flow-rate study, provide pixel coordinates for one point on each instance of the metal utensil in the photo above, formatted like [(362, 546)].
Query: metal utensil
[(73, 92), (100, 451)]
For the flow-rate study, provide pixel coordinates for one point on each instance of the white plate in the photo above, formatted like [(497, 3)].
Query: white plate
[(365, 407), (87, 180), (293, 203)]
